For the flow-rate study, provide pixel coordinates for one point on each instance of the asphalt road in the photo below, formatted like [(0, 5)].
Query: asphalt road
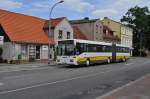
[(63, 82)]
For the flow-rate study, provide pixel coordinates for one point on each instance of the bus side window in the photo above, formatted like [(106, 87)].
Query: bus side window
[(103, 48), (99, 48), (77, 49)]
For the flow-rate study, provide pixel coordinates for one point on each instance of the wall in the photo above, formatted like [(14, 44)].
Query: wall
[(65, 27), (87, 29), (8, 51), (98, 31), (11, 51), (113, 25), (126, 36), (44, 52)]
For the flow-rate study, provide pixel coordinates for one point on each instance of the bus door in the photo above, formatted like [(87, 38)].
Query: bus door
[(113, 52)]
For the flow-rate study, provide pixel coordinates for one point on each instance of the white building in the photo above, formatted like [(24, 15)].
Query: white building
[(60, 29), (126, 36)]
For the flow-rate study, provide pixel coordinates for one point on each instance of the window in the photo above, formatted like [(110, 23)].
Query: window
[(81, 47), (108, 49), (104, 31), (60, 34), (123, 49), (92, 48), (99, 48), (68, 35), (96, 28), (24, 50)]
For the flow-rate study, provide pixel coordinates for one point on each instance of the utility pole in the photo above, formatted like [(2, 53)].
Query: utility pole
[(50, 34)]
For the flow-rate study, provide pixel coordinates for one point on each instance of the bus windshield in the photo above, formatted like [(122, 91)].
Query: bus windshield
[(65, 48)]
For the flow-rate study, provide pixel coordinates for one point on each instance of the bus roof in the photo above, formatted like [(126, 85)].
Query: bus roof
[(88, 41), (95, 42)]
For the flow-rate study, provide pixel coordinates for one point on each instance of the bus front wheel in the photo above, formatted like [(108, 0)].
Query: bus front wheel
[(124, 59), (108, 60), (88, 63)]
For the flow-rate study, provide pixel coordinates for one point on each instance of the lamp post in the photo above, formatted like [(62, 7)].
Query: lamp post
[(49, 33)]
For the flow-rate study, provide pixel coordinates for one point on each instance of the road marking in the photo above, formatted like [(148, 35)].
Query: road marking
[(122, 87), (1, 84), (7, 71), (129, 64), (60, 81)]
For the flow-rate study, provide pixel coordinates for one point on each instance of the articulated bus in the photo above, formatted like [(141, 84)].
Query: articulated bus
[(77, 52)]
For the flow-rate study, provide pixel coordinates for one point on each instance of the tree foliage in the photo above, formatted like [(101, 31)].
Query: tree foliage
[(138, 18)]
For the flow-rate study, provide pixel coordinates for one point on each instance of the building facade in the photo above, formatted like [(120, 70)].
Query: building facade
[(109, 35), (95, 30), (92, 29), (114, 26), (78, 34), (126, 36), (26, 38), (123, 32), (60, 29)]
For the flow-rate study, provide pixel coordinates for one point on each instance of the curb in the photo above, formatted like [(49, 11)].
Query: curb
[(120, 88)]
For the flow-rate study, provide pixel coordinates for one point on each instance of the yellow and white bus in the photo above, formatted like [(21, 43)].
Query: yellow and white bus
[(77, 52)]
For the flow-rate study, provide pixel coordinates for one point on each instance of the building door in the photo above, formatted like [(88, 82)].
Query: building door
[(37, 52)]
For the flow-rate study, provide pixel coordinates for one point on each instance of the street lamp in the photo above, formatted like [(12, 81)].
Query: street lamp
[(49, 34)]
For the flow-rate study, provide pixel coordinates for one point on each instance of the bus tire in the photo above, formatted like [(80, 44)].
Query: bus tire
[(124, 59), (88, 62), (108, 60)]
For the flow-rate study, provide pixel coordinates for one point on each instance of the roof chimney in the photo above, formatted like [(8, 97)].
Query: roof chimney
[(105, 17)]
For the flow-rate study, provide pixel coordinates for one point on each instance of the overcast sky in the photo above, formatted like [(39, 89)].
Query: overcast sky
[(73, 9)]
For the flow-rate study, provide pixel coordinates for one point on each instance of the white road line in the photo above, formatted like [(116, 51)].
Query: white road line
[(61, 81), (7, 71), (1, 84), (122, 87), (129, 64)]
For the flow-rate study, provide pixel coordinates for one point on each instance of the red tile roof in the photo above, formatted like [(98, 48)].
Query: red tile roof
[(78, 34), (23, 29), (54, 22)]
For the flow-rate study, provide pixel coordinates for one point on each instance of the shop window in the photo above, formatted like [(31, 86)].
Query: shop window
[(24, 50)]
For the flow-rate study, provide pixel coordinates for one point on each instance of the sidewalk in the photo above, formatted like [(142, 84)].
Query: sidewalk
[(139, 89), (19, 67)]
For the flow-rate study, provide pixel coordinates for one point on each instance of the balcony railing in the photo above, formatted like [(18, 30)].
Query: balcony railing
[(111, 37)]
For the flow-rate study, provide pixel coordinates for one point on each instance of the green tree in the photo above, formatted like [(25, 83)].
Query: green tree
[(138, 19)]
